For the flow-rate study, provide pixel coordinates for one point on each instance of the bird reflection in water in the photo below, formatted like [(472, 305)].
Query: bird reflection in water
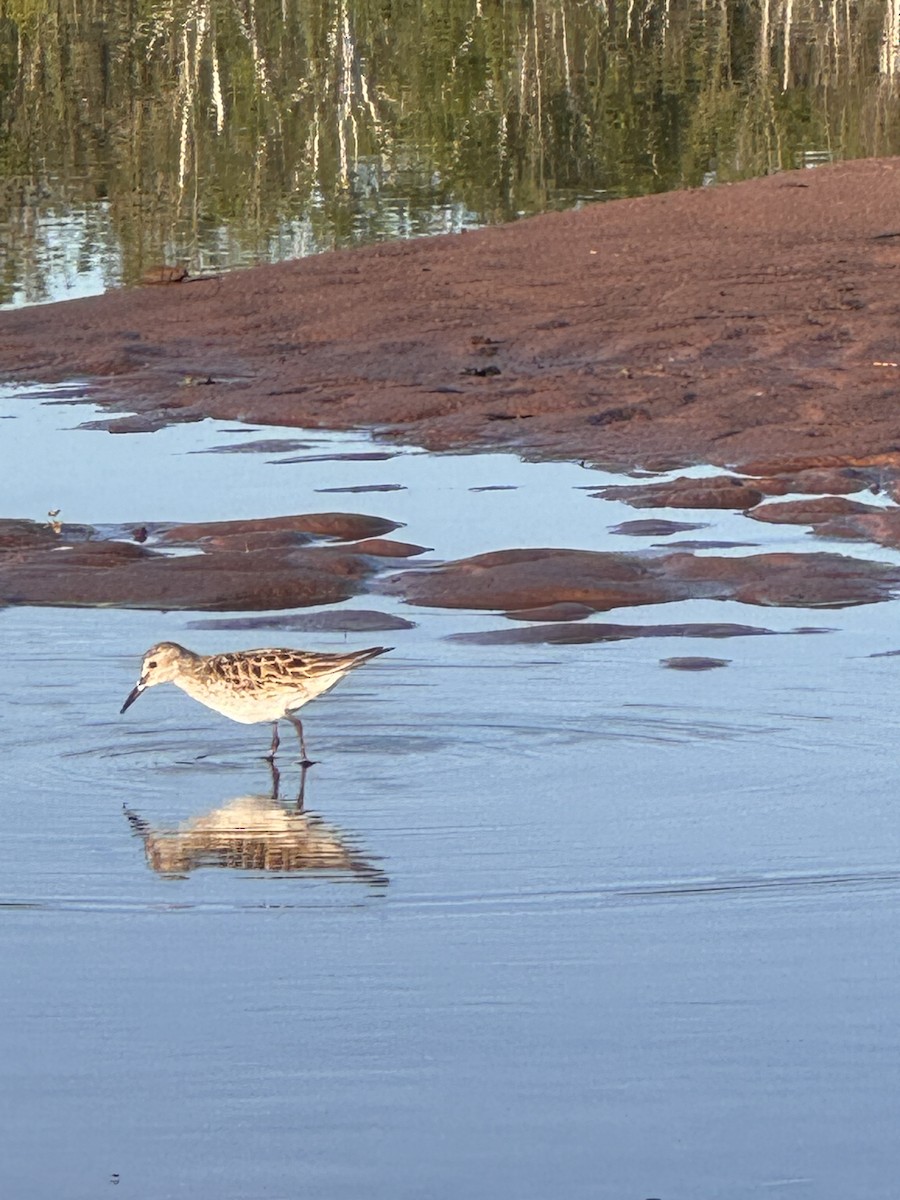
[(257, 833)]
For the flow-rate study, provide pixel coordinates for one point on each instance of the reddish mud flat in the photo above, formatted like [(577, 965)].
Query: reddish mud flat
[(523, 580), (223, 565), (828, 516), (753, 321)]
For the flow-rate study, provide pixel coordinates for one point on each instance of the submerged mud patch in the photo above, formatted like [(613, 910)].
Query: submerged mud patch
[(341, 621), (694, 663), (261, 446), (365, 487), (565, 611), (656, 528), (569, 635)]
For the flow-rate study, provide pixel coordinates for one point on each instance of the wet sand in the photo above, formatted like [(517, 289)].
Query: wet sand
[(756, 321)]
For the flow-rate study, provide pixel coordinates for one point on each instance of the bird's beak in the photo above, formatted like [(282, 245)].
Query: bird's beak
[(133, 695)]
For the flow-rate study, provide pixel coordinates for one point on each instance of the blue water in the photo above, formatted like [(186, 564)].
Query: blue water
[(633, 932)]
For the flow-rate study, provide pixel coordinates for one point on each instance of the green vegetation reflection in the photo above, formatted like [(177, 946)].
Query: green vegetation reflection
[(218, 132)]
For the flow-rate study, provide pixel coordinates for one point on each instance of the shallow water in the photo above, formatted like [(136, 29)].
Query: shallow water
[(626, 932)]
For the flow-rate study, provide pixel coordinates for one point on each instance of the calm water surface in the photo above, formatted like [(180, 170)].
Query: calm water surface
[(619, 931)]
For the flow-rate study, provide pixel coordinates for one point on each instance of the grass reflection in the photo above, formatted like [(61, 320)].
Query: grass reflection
[(223, 133)]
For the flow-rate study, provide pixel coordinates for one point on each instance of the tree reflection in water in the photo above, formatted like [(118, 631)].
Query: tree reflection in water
[(221, 134)]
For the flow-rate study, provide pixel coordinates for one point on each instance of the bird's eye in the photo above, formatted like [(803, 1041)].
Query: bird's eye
[(151, 665)]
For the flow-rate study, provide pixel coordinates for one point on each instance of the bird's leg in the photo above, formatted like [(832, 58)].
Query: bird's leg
[(301, 796), (275, 742), (305, 761), (276, 778), (138, 824)]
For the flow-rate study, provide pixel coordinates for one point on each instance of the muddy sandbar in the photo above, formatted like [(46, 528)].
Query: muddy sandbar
[(755, 321)]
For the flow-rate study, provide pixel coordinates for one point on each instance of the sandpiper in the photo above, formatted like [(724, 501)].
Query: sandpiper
[(250, 686)]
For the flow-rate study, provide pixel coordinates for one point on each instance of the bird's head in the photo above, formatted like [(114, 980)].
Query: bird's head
[(161, 664)]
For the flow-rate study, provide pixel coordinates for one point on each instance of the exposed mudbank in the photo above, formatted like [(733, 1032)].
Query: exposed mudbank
[(225, 565), (300, 561), (518, 580), (731, 324), (829, 516)]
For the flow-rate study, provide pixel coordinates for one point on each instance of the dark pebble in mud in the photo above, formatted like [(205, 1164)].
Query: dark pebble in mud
[(350, 621), (658, 528), (262, 446), (577, 635), (367, 487), (694, 664)]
